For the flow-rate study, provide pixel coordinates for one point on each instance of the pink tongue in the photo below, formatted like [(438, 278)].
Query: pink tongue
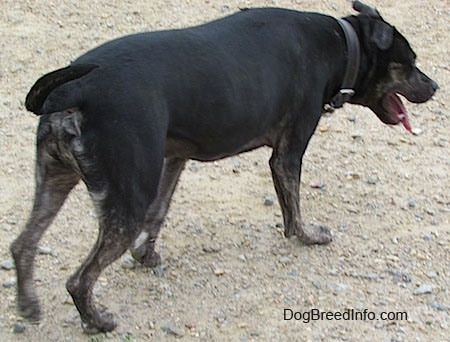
[(399, 110)]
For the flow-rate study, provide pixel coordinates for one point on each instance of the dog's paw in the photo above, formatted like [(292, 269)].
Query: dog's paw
[(101, 323), (152, 260), (148, 258), (30, 310), (312, 234)]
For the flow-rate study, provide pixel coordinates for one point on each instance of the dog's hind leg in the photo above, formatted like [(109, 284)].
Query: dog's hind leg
[(121, 202), (54, 181), (143, 249), (115, 236)]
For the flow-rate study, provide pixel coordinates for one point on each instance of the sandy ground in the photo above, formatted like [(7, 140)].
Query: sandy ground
[(228, 273)]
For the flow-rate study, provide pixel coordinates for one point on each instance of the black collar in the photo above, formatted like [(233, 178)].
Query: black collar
[(351, 73)]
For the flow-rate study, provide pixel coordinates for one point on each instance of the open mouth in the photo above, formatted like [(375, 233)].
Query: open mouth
[(397, 111)]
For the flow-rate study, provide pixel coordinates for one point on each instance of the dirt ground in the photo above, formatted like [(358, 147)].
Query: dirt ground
[(228, 273)]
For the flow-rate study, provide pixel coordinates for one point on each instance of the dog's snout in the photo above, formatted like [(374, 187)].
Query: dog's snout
[(427, 80), (434, 85)]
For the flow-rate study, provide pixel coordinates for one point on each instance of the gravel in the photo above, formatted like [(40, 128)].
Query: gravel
[(170, 328), (7, 264), (227, 272), (423, 289), (18, 328)]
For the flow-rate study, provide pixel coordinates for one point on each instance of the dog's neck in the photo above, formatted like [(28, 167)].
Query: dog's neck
[(347, 89)]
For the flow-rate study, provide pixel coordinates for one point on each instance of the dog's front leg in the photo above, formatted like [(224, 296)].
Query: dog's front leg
[(285, 164)]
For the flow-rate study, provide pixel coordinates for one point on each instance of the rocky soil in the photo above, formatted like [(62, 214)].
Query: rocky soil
[(228, 273)]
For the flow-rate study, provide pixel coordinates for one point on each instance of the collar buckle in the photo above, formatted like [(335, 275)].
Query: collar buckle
[(338, 100)]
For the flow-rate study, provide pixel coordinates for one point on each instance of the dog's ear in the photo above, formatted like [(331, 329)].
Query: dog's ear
[(364, 9), (382, 35)]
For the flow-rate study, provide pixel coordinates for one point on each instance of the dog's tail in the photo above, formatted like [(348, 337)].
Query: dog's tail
[(47, 83)]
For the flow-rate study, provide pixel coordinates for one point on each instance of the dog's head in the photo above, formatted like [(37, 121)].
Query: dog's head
[(390, 69)]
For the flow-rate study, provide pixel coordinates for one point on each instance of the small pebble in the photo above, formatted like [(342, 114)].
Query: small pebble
[(219, 271), (353, 210), (399, 277), (11, 282), (416, 131), (220, 317), (170, 328), (351, 118), (423, 289), (412, 203), (211, 248), (356, 135), (340, 287), (419, 217), (128, 262), (158, 271), (429, 211), (6, 227), (439, 306), (7, 264), (317, 284), (317, 185), (243, 325), (190, 325), (383, 302), (193, 168), (45, 250), (343, 228), (432, 274), (332, 272), (285, 260), (19, 328), (269, 201), (352, 176), (427, 237), (441, 143), (293, 273), (372, 181), (371, 276)]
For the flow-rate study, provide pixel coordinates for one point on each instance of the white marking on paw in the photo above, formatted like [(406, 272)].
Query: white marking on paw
[(141, 239)]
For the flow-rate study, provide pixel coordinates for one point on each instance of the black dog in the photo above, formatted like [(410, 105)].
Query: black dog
[(127, 115)]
